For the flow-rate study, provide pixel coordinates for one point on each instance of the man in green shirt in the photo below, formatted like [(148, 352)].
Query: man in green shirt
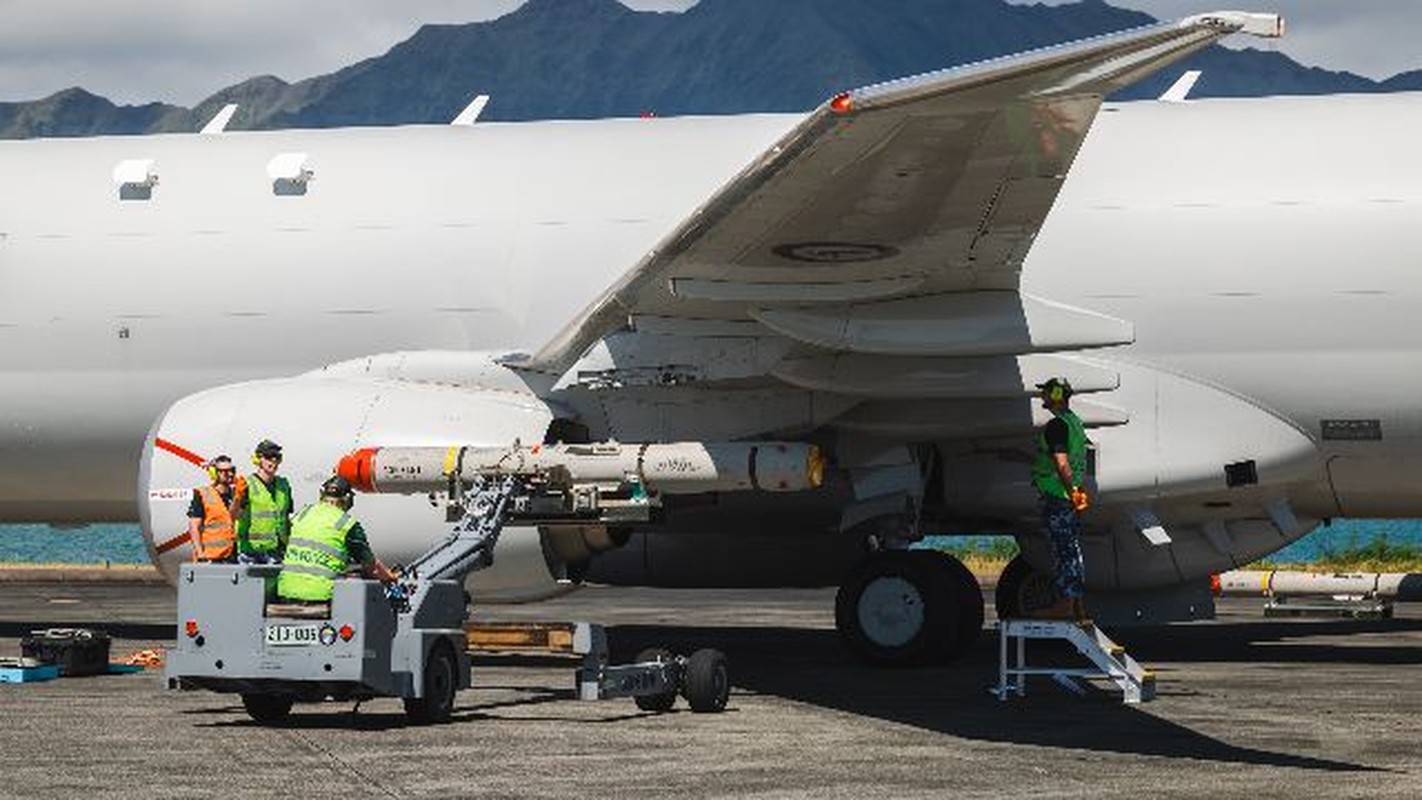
[(1058, 473), (325, 541)]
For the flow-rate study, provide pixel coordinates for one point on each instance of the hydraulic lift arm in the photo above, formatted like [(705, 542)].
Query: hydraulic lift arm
[(467, 548)]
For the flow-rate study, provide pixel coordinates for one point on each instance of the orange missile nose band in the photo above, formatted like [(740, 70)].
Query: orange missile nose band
[(357, 468)]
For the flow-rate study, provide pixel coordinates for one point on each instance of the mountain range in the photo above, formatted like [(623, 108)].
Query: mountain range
[(598, 58)]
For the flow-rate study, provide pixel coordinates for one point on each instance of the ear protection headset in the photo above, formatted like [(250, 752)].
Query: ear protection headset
[(1055, 390), (211, 467), (267, 446)]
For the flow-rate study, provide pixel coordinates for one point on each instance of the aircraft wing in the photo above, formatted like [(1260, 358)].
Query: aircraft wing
[(917, 197)]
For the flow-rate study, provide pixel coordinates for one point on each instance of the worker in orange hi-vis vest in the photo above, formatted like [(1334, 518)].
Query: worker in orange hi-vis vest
[(210, 520)]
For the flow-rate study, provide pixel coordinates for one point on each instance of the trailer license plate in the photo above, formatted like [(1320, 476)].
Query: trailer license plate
[(293, 635)]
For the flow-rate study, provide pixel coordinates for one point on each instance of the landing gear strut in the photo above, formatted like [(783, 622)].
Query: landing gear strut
[(909, 607)]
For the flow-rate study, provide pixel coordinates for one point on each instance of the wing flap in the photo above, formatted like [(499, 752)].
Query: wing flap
[(951, 324)]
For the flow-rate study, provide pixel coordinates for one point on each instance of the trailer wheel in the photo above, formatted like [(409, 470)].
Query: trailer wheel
[(659, 703), (267, 709), (707, 682), (440, 685)]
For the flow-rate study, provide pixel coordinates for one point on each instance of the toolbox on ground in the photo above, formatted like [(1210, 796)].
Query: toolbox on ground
[(76, 651)]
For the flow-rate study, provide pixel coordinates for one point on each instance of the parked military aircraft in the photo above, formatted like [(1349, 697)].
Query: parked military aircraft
[(1229, 285)]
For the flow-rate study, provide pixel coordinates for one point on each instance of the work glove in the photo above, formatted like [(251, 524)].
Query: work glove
[(1080, 501)]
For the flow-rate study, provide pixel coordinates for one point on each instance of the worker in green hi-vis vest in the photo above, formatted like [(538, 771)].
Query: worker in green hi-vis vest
[(1059, 472), (326, 541), (264, 509)]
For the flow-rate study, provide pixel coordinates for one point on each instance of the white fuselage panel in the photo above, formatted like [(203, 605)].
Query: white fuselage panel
[(484, 237), (1266, 249)]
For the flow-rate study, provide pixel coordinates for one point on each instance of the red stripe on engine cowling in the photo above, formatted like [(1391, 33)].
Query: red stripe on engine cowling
[(176, 541), (191, 457), (179, 451)]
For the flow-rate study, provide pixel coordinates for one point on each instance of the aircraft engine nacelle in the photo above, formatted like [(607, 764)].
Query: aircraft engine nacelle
[(318, 419)]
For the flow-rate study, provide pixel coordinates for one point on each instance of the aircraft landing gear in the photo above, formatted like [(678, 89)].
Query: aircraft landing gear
[(1022, 591), (909, 607)]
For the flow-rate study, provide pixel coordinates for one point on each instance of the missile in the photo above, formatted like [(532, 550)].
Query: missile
[(672, 468), (1270, 583)]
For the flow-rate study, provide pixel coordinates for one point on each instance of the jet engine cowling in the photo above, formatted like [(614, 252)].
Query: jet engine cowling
[(317, 418)]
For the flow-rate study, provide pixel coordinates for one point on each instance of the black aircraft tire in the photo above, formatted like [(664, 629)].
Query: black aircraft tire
[(1022, 590), (267, 709), (896, 610), (659, 703), (707, 682), (440, 686), (968, 605)]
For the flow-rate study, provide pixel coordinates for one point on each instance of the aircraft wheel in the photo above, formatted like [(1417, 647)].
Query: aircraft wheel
[(707, 682), (267, 709), (967, 601), (658, 703), (1023, 591), (440, 685), (896, 609)]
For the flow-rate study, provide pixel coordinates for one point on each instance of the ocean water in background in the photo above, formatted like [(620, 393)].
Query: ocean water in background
[(123, 544), (1346, 534), (1343, 534), (91, 544)]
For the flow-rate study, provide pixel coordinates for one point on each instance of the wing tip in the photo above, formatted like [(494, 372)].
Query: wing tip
[(1266, 26)]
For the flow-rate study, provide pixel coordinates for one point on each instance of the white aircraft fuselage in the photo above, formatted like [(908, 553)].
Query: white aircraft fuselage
[(1268, 253), (478, 238)]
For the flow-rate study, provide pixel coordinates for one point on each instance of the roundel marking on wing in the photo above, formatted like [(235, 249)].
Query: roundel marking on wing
[(834, 252)]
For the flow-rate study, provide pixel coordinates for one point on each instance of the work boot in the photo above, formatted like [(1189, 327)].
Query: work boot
[(1078, 611), (1062, 609)]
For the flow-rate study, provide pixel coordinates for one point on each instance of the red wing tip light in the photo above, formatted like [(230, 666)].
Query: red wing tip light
[(842, 103)]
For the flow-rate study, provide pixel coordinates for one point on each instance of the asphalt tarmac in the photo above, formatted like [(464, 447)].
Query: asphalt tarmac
[(1247, 706)]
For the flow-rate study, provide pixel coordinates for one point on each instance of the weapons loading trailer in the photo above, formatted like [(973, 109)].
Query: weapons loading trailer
[(409, 643)]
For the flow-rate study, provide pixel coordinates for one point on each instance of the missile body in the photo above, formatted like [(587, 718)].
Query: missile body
[(1269, 583), (673, 468)]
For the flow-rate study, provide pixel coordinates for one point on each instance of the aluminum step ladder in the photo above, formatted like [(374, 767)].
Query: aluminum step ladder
[(1110, 660)]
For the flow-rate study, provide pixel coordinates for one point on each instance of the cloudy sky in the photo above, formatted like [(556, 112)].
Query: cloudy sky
[(180, 51)]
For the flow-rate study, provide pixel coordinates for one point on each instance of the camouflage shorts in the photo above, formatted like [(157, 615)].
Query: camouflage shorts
[(1064, 532)]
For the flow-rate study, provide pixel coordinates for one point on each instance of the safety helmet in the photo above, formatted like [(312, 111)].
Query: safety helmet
[(268, 448), (1055, 389), (336, 486)]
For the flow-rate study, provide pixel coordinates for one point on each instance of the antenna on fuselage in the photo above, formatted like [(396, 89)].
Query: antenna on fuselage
[(1179, 90), (218, 123), (472, 111)]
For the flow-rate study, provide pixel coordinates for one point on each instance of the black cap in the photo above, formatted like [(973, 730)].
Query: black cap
[(336, 486), (267, 447), (1056, 383)]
